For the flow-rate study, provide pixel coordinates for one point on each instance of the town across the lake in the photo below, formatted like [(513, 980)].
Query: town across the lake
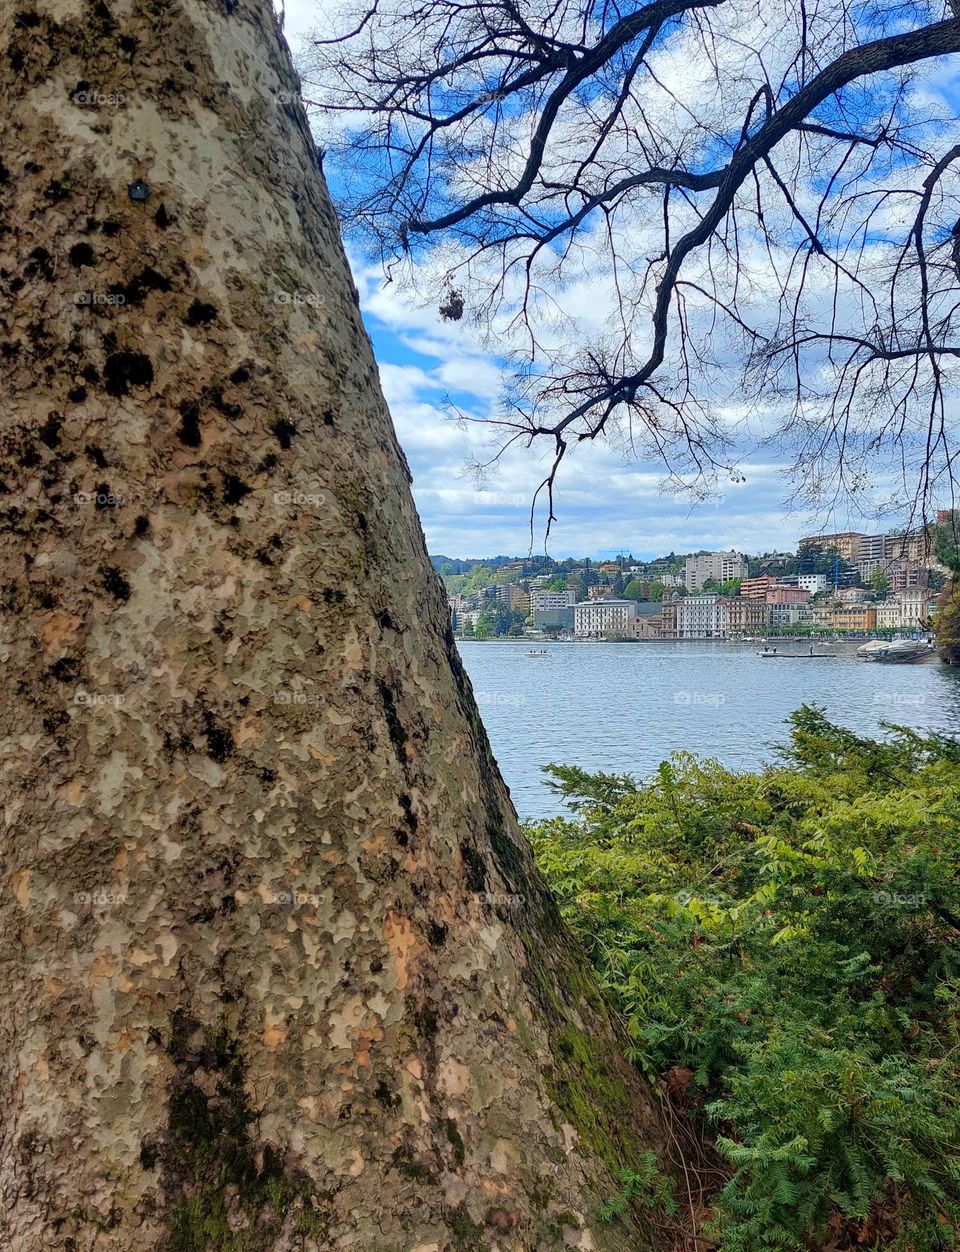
[(844, 584)]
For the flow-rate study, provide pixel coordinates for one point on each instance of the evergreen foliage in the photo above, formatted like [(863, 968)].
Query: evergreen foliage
[(789, 941)]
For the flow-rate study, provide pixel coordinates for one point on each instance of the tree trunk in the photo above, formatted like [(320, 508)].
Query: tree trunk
[(947, 622), (278, 971)]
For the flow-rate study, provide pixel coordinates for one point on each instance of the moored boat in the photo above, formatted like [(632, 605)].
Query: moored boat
[(899, 650), (869, 651)]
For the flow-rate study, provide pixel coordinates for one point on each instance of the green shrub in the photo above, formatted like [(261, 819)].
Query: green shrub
[(792, 937)]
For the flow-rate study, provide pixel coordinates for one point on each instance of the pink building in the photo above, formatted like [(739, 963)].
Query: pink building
[(787, 595)]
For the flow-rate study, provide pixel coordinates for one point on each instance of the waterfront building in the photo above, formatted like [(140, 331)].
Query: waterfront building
[(595, 619), (907, 610), (553, 619), (785, 616), (890, 615), (855, 617), (701, 617), (741, 616), (647, 627), (668, 619)]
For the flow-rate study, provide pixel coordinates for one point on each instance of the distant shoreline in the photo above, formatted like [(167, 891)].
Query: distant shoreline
[(774, 639)]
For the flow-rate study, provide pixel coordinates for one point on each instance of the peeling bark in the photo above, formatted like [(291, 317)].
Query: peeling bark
[(278, 970)]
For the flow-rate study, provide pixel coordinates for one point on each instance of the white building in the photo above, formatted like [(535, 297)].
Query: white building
[(548, 601), (594, 619), (720, 566), (701, 617), (814, 583), (906, 610)]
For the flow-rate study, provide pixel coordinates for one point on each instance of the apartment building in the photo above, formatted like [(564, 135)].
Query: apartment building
[(814, 583), (872, 552), (757, 588), (541, 601), (912, 545), (595, 619), (906, 575), (701, 617), (845, 543), (720, 566), (512, 597), (872, 548), (741, 616), (552, 609)]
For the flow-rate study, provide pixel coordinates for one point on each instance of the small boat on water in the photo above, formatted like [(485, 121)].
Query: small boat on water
[(537, 652)]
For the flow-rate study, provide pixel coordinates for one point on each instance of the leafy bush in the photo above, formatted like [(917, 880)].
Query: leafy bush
[(790, 942)]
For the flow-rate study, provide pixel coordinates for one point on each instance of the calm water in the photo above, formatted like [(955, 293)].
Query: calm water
[(623, 708)]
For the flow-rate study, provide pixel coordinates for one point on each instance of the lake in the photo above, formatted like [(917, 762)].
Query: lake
[(623, 708)]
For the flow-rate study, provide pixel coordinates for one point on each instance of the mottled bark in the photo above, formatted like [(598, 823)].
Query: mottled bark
[(947, 622), (277, 969)]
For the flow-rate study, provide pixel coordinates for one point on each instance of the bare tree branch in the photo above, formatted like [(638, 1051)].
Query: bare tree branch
[(739, 173)]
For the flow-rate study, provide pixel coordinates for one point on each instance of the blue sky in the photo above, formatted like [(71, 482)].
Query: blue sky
[(606, 501)]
